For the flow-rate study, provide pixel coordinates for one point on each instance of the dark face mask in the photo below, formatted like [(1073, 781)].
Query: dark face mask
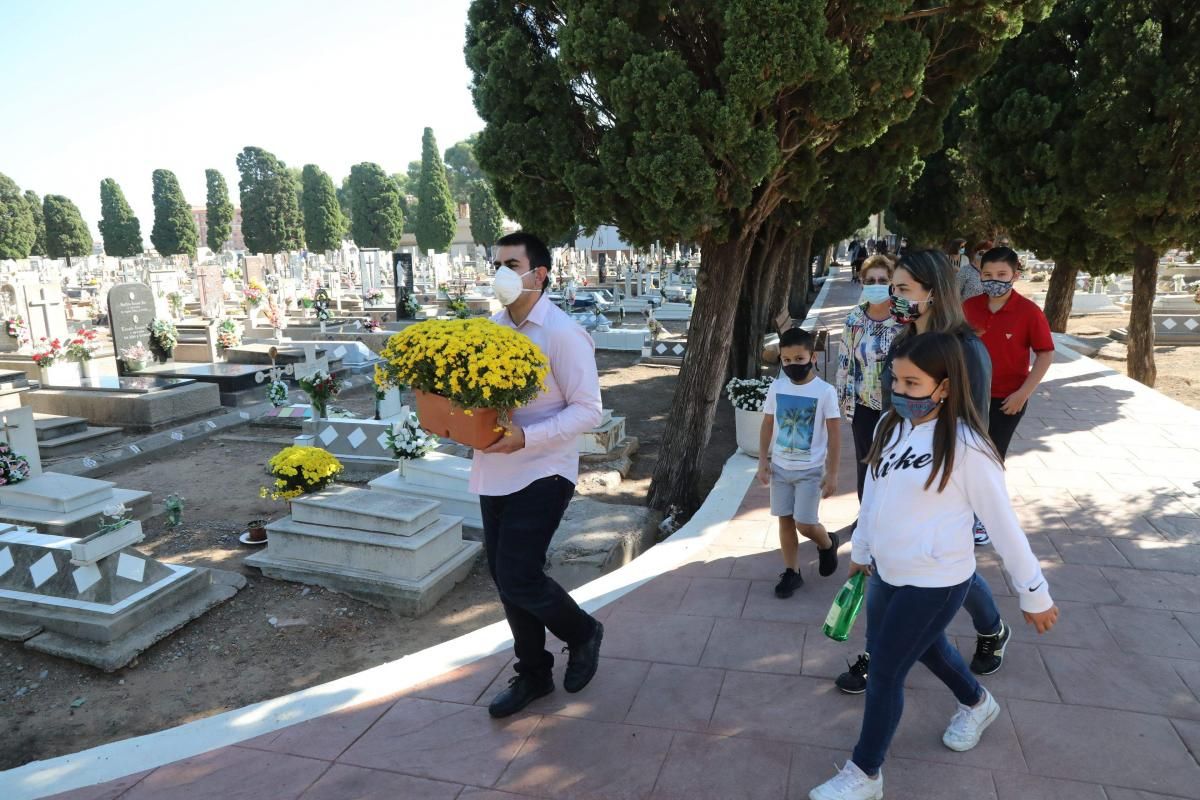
[(797, 372)]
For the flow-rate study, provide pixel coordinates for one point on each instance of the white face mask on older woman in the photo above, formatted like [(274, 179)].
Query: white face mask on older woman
[(508, 285)]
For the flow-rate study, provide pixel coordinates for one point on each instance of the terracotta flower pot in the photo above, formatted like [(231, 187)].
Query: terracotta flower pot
[(258, 531), (443, 418)]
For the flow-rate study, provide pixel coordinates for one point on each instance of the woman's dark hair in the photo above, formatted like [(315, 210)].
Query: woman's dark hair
[(955, 245), (940, 356), (932, 270), (1001, 254), (535, 250)]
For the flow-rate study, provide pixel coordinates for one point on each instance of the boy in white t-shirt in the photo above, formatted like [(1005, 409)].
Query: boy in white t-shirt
[(798, 456)]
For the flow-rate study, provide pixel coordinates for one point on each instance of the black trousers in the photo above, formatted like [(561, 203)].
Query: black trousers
[(517, 529), (1001, 426), (863, 428)]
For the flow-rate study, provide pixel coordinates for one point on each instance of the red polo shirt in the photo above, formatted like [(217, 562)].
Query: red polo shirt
[(1009, 334)]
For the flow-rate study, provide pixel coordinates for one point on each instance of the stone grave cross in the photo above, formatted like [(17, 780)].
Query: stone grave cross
[(311, 363), (276, 372), (47, 316), (19, 433)]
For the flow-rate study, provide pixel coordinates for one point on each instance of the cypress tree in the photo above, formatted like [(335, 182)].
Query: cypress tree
[(174, 232), (486, 217), (436, 220), (376, 218), (39, 223), (323, 220), (17, 228), (119, 228), (218, 211), (271, 218), (67, 235)]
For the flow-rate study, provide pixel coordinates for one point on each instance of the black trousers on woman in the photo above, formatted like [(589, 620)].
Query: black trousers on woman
[(863, 427)]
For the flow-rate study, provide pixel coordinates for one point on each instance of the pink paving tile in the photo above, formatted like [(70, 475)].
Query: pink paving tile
[(488, 794), (794, 709), (1079, 583), (661, 594), (1109, 682), (103, 791), (344, 782), (441, 741), (903, 779), (1156, 633), (324, 737), (927, 712), (808, 606), (1091, 550), (1017, 786), (230, 773), (677, 697), (825, 658), (1169, 556), (764, 566), (1024, 674), (702, 767), (606, 698), (575, 758), (756, 646), (670, 638), (1078, 626), (750, 533), (1158, 590), (715, 597), (462, 685), (710, 564), (1116, 748)]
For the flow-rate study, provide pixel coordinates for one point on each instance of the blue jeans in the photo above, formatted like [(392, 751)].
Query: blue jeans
[(909, 624), (979, 603)]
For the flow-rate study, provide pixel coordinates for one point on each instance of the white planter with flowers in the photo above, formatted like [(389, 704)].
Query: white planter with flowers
[(748, 396)]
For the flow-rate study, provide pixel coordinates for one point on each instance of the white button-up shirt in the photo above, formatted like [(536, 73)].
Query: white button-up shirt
[(552, 422)]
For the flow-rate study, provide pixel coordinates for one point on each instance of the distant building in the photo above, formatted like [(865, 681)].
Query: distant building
[(235, 241), (464, 245), (607, 241)]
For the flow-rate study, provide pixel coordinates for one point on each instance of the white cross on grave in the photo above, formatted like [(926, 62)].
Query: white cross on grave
[(18, 432), (311, 363), (276, 372)]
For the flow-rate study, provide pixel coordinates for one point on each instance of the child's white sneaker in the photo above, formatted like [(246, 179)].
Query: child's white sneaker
[(850, 784), (968, 724)]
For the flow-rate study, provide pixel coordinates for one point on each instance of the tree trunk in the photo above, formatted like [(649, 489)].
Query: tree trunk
[(800, 296), (1059, 294), (754, 303), (698, 388), (1140, 362)]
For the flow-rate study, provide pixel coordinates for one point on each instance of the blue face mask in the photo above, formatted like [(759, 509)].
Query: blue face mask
[(875, 293), (997, 288), (912, 408)]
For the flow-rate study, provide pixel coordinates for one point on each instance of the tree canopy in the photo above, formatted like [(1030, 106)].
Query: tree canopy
[(119, 228), (376, 219), (436, 220), (462, 169), (67, 235), (174, 232), (219, 212), (271, 218), (39, 223), (487, 219), (323, 220), (18, 230)]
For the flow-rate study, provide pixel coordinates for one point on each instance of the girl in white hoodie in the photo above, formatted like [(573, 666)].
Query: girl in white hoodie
[(931, 471)]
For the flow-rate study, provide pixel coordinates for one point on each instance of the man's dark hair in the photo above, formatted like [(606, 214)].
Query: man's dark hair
[(797, 337), (1001, 254), (535, 249)]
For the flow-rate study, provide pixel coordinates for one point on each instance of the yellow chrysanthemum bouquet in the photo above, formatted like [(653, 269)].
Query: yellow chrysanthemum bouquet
[(300, 470), (470, 368)]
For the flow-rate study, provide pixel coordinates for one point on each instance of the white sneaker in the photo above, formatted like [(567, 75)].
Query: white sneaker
[(850, 784), (968, 724)]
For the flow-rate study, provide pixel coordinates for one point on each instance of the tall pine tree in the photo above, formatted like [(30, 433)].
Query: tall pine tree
[(119, 228), (39, 223), (436, 220), (376, 219), (218, 211), (174, 232), (271, 218), (486, 217), (323, 220), (66, 234), (17, 229)]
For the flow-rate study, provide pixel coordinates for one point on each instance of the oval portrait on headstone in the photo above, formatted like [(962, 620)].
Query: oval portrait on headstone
[(131, 295)]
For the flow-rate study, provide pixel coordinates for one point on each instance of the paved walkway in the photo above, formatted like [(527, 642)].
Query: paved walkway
[(710, 687)]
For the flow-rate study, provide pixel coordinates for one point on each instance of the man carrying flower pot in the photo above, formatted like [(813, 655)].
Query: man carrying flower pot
[(526, 480)]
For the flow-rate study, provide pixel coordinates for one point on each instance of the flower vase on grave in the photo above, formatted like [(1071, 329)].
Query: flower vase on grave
[(88, 368), (63, 373)]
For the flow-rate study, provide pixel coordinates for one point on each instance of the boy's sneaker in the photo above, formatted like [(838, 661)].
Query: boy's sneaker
[(854, 680), (851, 783), (989, 650), (789, 582), (981, 534), (827, 559), (968, 724)]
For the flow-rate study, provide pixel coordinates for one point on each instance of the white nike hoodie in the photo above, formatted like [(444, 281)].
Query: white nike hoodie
[(920, 537)]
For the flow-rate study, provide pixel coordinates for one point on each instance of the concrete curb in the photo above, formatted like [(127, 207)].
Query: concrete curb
[(117, 759)]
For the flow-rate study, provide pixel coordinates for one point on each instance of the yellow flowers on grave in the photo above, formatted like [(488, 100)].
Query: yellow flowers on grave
[(300, 470), (474, 363)]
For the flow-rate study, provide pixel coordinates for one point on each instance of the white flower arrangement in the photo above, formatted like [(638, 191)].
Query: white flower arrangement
[(409, 440), (748, 394), (277, 393)]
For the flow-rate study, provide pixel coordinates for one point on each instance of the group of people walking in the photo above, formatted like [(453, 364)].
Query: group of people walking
[(934, 374)]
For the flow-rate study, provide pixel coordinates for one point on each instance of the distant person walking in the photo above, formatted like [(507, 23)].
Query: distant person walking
[(969, 283)]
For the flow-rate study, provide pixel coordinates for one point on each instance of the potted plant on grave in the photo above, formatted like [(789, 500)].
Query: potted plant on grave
[(373, 297), (51, 359), (16, 328), (458, 306), (175, 301), (135, 357), (81, 349), (411, 306), (14, 467), (298, 470), (748, 396), (409, 440), (320, 388), (163, 338), (468, 376), (229, 335)]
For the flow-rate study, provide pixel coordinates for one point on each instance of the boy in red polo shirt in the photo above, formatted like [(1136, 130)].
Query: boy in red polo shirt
[(1011, 326)]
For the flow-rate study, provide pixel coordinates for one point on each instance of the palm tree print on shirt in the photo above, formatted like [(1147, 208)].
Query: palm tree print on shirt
[(794, 426)]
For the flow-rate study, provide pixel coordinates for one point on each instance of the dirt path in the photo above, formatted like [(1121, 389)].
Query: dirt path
[(233, 656)]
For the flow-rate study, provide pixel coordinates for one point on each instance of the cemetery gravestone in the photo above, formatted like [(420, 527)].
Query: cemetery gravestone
[(212, 290), (47, 315), (130, 312)]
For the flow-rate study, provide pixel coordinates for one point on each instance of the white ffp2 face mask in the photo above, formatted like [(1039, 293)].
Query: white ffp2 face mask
[(508, 285)]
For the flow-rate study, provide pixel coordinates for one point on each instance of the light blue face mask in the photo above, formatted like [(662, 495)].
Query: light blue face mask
[(875, 293), (913, 408)]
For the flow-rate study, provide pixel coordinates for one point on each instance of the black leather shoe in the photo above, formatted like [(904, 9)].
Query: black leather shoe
[(522, 690), (582, 661)]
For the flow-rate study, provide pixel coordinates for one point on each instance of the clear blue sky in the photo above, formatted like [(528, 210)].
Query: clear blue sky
[(118, 88)]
